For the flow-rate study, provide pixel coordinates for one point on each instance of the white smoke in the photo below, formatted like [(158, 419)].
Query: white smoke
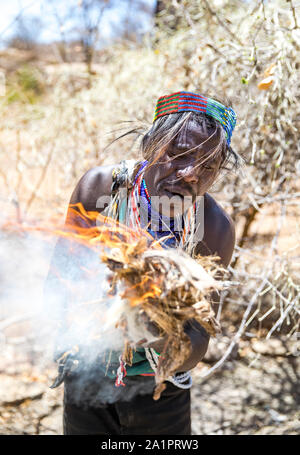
[(25, 259), (60, 288)]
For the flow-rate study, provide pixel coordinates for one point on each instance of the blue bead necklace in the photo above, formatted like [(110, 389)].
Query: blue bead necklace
[(162, 231)]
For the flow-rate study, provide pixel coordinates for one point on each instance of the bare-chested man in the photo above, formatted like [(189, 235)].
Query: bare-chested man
[(184, 152)]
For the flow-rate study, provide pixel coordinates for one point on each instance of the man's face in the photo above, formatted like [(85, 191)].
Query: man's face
[(179, 172)]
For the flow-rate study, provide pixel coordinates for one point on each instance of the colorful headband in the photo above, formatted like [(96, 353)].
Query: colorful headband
[(191, 102)]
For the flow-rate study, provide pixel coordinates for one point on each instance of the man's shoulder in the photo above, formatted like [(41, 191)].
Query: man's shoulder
[(219, 230), (220, 219), (95, 183), (98, 177)]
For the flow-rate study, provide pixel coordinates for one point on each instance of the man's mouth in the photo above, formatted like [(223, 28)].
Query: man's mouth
[(178, 192)]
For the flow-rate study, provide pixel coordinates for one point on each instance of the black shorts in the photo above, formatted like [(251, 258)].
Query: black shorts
[(170, 415)]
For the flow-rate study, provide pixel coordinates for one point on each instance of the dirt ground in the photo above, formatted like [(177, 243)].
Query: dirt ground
[(255, 392)]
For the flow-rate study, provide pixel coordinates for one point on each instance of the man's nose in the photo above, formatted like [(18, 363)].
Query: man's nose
[(189, 174)]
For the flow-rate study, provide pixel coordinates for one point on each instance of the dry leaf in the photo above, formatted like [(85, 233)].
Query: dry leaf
[(266, 83)]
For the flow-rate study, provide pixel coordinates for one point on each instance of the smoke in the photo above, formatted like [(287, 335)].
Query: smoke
[(60, 288)]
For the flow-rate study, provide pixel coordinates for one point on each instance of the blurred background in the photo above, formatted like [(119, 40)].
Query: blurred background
[(74, 76)]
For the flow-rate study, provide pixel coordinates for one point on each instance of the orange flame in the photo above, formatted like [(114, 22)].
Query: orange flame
[(89, 228), (93, 230)]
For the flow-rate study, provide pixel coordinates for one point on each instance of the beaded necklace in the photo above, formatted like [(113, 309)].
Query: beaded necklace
[(166, 226)]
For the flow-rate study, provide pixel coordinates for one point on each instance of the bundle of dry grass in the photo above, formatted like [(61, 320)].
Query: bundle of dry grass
[(170, 288)]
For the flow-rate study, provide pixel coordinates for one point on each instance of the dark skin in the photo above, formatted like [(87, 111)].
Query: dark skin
[(182, 174)]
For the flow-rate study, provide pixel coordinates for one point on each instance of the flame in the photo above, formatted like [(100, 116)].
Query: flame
[(89, 228), (268, 77), (94, 231), (155, 292), (114, 243)]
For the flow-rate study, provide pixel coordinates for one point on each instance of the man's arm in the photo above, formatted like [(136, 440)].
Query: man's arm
[(218, 240), (65, 264)]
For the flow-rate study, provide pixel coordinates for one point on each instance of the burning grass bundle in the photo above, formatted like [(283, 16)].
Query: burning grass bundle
[(162, 289)]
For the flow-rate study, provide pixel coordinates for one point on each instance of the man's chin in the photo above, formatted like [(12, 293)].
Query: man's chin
[(177, 208)]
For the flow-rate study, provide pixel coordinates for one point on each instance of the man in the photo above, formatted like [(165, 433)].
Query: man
[(185, 149)]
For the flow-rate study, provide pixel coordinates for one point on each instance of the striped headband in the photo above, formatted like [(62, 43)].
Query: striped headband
[(191, 102)]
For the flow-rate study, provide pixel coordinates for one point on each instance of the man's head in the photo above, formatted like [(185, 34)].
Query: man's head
[(187, 148), (186, 151)]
